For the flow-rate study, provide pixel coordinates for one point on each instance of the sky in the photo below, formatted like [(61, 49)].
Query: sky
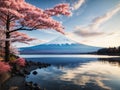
[(93, 22)]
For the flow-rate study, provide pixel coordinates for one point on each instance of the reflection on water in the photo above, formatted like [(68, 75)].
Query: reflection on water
[(79, 74), (112, 61), (93, 72)]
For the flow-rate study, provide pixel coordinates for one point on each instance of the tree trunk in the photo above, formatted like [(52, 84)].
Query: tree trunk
[(7, 47), (7, 42)]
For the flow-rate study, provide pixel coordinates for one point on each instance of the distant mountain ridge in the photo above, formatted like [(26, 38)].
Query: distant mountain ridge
[(60, 45)]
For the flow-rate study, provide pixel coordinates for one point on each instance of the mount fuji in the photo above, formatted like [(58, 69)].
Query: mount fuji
[(60, 45)]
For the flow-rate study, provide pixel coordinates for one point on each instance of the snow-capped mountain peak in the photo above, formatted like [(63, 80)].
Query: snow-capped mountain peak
[(61, 40), (60, 45)]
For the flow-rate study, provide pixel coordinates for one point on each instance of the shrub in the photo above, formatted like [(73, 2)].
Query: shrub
[(4, 67), (12, 58), (20, 61)]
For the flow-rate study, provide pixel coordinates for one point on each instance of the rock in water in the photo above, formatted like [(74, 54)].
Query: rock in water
[(34, 72)]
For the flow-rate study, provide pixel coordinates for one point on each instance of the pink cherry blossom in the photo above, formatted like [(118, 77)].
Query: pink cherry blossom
[(14, 50), (59, 9), (21, 37), (17, 15), (4, 67), (20, 61)]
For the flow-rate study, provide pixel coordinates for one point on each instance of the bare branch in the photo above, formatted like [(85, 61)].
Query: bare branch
[(22, 28)]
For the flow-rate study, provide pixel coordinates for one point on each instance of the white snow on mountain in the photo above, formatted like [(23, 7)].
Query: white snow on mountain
[(59, 45), (61, 40)]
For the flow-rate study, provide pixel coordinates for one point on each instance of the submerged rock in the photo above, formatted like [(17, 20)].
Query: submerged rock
[(35, 72)]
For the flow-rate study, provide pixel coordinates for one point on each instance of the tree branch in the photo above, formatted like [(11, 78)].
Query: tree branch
[(27, 29), (22, 28)]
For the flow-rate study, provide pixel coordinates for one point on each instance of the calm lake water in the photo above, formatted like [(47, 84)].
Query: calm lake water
[(77, 72)]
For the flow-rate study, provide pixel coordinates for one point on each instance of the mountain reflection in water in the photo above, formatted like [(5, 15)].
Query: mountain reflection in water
[(80, 74)]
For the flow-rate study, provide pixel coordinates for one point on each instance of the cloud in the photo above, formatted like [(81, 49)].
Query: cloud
[(78, 4), (86, 33), (92, 29), (104, 39), (97, 22)]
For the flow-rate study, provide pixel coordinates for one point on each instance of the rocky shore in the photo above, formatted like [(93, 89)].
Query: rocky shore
[(17, 81)]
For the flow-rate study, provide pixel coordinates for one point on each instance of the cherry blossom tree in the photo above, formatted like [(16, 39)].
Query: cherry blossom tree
[(17, 15), (15, 37)]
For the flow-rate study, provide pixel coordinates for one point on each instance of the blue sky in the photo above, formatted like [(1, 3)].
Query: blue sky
[(94, 22)]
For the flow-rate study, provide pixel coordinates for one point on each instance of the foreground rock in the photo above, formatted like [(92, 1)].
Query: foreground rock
[(14, 88)]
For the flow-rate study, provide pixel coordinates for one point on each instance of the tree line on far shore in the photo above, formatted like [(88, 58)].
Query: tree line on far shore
[(109, 51)]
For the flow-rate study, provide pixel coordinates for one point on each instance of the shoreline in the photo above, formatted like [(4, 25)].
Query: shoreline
[(17, 78)]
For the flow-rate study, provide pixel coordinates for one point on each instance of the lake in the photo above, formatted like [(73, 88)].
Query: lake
[(77, 72)]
